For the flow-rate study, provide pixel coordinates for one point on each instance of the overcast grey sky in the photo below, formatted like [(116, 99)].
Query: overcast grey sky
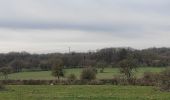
[(42, 26)]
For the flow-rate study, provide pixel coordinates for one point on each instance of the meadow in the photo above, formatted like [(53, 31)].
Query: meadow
[(82, 92), (108, 73)]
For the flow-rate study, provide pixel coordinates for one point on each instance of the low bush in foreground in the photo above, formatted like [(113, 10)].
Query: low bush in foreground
[(60, 82), (150, 78), (164, 82), (72, 77), (122, 80), (2, 87)]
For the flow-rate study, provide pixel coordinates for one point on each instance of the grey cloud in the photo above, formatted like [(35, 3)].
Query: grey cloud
[(126, 30), (139, 23), (61, 14), (98, 27)]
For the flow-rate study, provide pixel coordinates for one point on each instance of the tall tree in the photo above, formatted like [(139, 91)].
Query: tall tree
[(17, 65), (57, 68), (128, 67)]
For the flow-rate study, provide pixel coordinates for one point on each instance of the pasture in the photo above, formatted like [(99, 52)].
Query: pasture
[(82, 92), (108, 73)]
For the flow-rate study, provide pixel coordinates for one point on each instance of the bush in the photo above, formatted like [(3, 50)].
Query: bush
[(88, 74), (95, 82), (35, 82), (164, 82), (122, 80), (2, 86), (72, 77), (102, 70), (150, 79), (95, 70)]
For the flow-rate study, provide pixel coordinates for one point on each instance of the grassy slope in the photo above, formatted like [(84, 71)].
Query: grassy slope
[(84, 92), (108, 73)]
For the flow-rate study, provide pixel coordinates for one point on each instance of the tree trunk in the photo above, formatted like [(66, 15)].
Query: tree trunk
[(58, 77)]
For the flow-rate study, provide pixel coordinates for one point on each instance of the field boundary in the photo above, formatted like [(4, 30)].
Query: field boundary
[(138, 82)]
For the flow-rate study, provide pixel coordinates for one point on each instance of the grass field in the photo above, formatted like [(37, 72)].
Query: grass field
[(108, 73), (82, 92)]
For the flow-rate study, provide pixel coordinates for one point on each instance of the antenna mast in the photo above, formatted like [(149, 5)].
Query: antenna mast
[(69, 49)]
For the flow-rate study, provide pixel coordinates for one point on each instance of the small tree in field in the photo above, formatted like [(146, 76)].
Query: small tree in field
[(88, 74), (5, 71), (57, 69), (101, 65), (127, 67)]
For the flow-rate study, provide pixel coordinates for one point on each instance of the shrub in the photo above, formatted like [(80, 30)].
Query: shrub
[(72, 77), (102, 70), (164, 82), (150, 78), (88, 74), (95, 70), (121, 80), (33, 82), (2, 86), (95, 82)]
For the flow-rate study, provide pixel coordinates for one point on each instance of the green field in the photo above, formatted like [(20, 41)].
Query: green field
[(82, 92), (108, 73)]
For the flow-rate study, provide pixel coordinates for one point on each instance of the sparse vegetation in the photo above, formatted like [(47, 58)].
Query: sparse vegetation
[(164, 80), (88, 74)]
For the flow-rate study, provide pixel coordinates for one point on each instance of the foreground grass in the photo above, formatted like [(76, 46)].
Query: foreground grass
[(109, 73), (82, 92)]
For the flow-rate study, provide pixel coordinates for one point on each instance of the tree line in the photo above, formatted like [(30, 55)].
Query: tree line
[(107, 57)]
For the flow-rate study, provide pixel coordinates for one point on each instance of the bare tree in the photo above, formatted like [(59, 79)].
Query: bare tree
[(57, 69), (5, 71), (128, 67)]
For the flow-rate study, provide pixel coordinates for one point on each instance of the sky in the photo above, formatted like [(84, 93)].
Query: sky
[(45, 26)]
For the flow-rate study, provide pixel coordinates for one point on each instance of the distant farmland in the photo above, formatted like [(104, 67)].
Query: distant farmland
[(108, 73)]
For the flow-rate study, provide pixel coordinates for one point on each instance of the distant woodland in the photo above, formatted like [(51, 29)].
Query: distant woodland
[(107, 57)]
